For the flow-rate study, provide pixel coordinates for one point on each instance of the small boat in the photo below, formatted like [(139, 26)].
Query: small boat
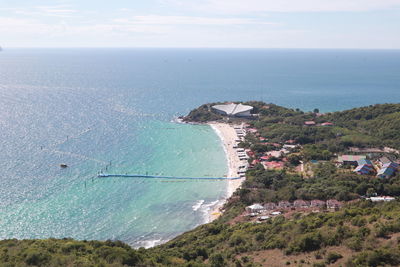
[(62, 165)]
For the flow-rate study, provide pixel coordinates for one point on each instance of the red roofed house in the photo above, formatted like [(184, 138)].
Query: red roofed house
[(250, 153), (309, 123), (327, 124), (262, 139), (273, 164), (301, 204), (316, 203), (265, 158)]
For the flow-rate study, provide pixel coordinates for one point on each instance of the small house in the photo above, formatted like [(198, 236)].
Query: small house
[(309, 123), (250, 153), (255, 208), (284, 204), (265, 158), (327, 124), (333, 204), (273, 164), (263, 218), (316, 203), (270, 206), (301, 204), (252, 130)]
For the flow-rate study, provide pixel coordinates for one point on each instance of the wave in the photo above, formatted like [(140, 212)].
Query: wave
[(207, 208), (198, 204), (149, 243)]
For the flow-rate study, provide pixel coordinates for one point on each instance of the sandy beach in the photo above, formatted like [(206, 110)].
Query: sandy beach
[(228, 136)]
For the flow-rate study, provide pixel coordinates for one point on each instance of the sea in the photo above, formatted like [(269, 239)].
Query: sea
[(114, 111)]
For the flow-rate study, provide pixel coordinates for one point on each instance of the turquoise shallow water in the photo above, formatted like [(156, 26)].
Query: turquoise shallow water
[(39, 199), (87, 107)]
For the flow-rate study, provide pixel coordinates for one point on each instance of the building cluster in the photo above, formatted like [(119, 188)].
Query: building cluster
[(382, 167), (331, 204), (241, 152), (273, 159)]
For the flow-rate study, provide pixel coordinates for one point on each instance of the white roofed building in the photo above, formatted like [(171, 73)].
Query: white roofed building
[(255, 208), (232, 109)]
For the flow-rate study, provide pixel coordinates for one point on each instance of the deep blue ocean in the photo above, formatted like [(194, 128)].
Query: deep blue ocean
[(89, 107)]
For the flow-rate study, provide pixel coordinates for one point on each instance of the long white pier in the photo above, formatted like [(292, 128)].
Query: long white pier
[(105, 175)]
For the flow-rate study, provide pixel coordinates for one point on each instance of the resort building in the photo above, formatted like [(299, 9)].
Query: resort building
[(384, 160), (388, 170), (364, 162), (232, 109), (350, 159), (364, 169)]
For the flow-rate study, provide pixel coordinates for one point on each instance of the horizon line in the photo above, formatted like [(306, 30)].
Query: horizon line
[(159, 47)]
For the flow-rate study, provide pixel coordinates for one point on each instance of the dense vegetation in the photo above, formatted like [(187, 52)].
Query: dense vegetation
[(365, 231), (362, 226), (361, 234), (327, 183), (377, 125), (68, 252)]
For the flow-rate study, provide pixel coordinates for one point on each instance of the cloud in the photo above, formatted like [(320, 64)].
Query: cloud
[(257, 6), (61, 11), (187, 20)]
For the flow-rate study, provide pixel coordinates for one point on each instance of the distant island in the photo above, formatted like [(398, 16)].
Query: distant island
[(315, 189)]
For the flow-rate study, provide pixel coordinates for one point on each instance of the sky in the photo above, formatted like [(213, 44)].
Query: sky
[(361, 24)]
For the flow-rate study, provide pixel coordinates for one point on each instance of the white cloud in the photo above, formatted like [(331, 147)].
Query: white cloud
[(186, 20), (20, 27), (257, 6), (61, 11)]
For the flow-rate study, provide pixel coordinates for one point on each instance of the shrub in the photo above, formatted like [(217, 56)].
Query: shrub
[(332, 257)]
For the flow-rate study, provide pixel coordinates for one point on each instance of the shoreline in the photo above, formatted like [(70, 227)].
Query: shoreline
[(228, 137)]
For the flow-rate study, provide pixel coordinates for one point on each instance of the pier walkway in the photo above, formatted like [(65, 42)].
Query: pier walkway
[(105, 175)]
